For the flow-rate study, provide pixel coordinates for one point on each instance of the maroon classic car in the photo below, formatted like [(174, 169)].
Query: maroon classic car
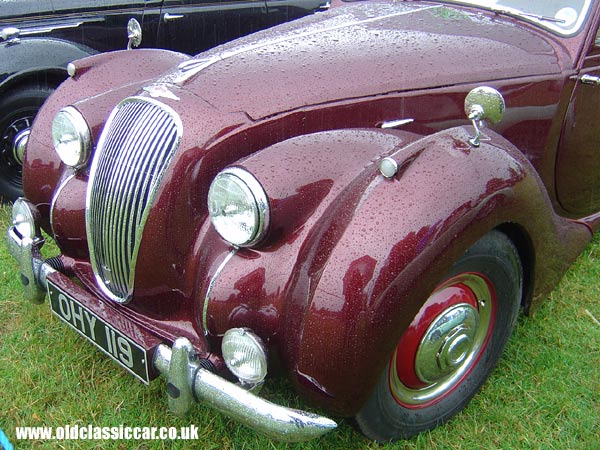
[(39, 38), (363, 200)]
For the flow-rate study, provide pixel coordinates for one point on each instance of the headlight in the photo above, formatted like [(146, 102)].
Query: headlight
[(71, 137), (238, 207), (245, 355)]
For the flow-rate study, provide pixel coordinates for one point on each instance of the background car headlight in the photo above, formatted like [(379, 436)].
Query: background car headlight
[(238, 207), (245, 355), (71, 137)]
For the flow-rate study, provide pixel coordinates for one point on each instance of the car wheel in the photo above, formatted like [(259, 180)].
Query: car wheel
[(17, 110), (451, 346)]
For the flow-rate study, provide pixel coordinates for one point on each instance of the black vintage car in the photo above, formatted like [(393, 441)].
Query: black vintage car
[(38, 39)]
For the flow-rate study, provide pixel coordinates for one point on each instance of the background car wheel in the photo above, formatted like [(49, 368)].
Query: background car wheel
[(451, 346), (17, 110)]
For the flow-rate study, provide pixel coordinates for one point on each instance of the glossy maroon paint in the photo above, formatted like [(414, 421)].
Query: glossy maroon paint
[(350, 256), (373, 241), (389, 61)]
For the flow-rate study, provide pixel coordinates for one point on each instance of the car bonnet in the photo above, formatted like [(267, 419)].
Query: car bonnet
[(361, 50)]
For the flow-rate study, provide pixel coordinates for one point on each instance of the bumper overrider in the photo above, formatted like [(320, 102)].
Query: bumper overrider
[(188, 379)]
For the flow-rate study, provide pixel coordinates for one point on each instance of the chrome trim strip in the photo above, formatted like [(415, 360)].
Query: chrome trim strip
[(55, 196), (50, 28), (213, 280), (394, 123)]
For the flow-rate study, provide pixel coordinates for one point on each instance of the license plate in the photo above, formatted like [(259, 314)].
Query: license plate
[(128, 354)]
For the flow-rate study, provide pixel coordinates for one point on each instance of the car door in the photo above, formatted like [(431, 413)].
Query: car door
[(578, 159), (191, 26), (100, 25)]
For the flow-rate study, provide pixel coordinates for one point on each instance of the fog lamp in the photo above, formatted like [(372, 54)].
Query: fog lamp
[(25, 219), (245, 355), (71, 137)]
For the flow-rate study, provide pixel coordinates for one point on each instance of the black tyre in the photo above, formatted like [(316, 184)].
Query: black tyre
[(452, 345), (17, 110)]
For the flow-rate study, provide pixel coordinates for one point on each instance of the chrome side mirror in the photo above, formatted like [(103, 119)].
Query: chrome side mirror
[(134, 34), (483, 104)]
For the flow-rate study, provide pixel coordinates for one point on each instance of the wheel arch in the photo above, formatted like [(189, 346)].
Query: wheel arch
[(38, 59), (452, 345), (51, 77), (347, 333), (524, 245)]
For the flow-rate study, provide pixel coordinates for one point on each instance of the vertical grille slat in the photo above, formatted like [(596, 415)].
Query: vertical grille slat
[(134, 151)]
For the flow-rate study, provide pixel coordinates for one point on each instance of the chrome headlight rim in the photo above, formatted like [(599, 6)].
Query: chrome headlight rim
[(252, 187), (82, 132)]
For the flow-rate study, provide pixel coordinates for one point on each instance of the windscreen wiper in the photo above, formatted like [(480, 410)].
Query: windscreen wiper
[(518, 13)]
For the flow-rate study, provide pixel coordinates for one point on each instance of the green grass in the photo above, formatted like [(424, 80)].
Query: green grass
[(545, 393)]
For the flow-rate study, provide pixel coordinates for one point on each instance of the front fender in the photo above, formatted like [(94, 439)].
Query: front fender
[(37, 55), (402, 239), (365, 257), (107, 78)]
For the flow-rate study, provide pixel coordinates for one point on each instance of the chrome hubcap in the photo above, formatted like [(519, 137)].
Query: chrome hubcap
[(19, 144), (13, 140), (447, 343), (444, 342)]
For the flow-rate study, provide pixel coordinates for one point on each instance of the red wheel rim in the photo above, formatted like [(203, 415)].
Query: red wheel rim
[(444, 342)]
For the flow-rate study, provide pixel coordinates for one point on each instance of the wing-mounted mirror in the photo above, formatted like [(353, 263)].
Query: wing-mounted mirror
[(483, 104), (134, 34)]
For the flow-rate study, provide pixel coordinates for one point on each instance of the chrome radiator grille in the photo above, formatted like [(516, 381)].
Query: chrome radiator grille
[(136, 146)]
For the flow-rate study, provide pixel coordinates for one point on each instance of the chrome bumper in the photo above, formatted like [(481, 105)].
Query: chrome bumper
[(187, 380), (25, 248)]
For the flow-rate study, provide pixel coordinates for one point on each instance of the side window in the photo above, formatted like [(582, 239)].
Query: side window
[(593, 54)]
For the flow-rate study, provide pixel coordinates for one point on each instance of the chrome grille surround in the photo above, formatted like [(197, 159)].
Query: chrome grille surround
[(137, 144)]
